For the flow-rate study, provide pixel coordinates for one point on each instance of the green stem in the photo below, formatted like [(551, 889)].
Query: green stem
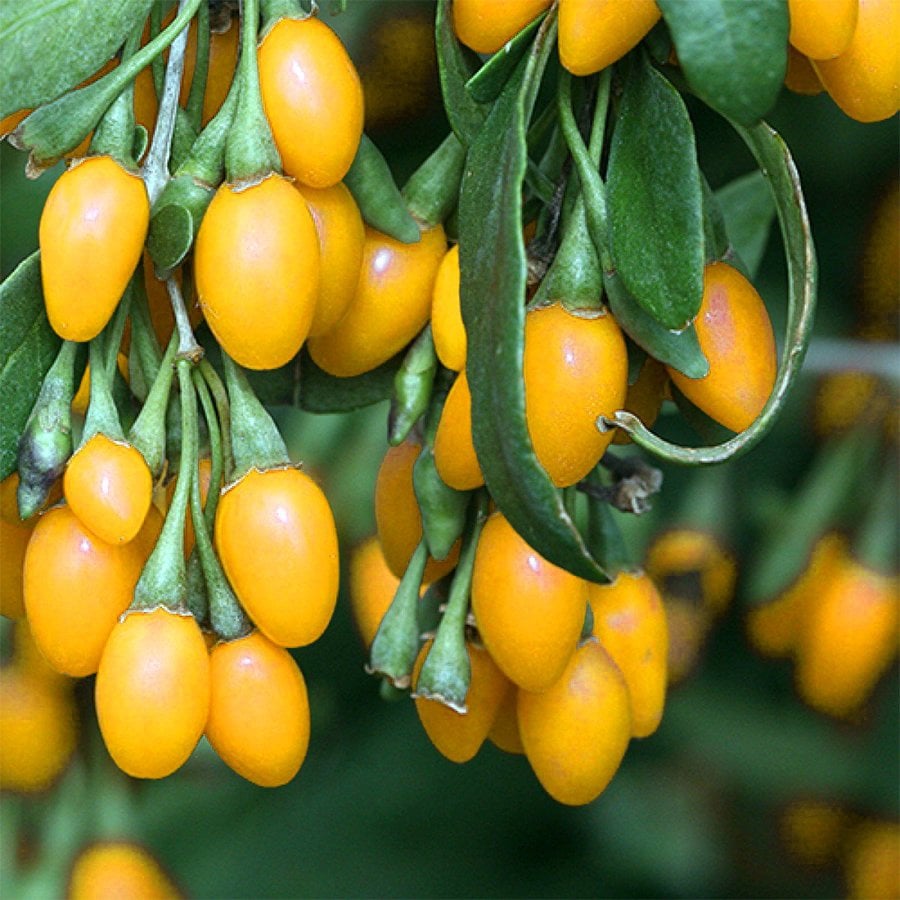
[(156, 167), (156, 67), (148, 433), (188, 348), (201, 70), (215, 449), (114, 135), (875, 545), (223, 411)]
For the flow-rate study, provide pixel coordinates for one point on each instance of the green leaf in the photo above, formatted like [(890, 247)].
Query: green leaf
[(655, 202), (171, 235), (324, 393), (733, 52), (485, 85), (28, 346), (748, 209), (456, 65), (492, 265), (49, 46)]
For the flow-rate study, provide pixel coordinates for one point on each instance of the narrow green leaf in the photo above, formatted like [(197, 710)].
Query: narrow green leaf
[(456, 65), (492, 264), (733, 52), (655, 202), (28, 346), (749, 210), (49, 46), (485, 85), (324, 393), (171, 235)]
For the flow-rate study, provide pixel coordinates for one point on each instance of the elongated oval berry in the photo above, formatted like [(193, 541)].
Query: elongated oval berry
[(529, 612), (258, 710), (390, 307), (341, 234), (504, 733), (257, 269), (454, 452), (152, 692), (576, 369), (118, 869), (735, 335), (276, 537), (108, 485), (593, 34), (630, 623), (486, 25), (446, 317), (576, 732), (864, 80), (91, 234), (313, 99), (13, 544), (822, 29), (459, 736), (76, 586)]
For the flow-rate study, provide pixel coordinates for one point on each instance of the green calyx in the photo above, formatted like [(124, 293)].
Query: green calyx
[(144, 355), (163, 581), (250, 152), (46, 442), (396, 644), (377, 195), (148, 434), (255, 439), (446, 672), (58, 127), (432, 191), (274, 10), (412, 387)]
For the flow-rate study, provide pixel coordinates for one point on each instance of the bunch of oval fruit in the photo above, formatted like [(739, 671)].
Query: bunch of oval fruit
[(177, 552)]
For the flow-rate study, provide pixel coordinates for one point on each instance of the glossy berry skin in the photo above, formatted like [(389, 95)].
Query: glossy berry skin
[(76, 587), (504, 733), (593, 34), (109, 487), (313, 99), (454, 451), (529, 612), (397, 515), (391, 305), (13, 544), (259, 710), (822, 29), (576, 732), (91, 235), (341, 234), (257, 269), (118, 869), (849, 640), (38, 729), (630, 623), (276, 538), (576, 369), (152, 692), (459, 736), (372, 588), (735, 335), (447, 327), (864, 80), (486, 25)]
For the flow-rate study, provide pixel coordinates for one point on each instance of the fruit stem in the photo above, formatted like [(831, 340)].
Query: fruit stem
[(250, 154), (148, 434), (144, 355), (194, 106), (188, 348), (223, 411), (215, 447)]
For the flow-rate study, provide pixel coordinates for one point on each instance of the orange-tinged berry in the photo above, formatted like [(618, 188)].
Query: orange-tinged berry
[(486, 25), (822, 29), (454, 452), (161, 316), (575, 369), (38, 729), (644, 398), (630, 622), (800, 76), (735, 335), (447, 327), (313, 99), (593, 34), (76, 587), (276, 537), (28, 658), (91, 235), (459, 736), (223, 53), (118, 869), (258, 711), (109, 487), (13, 543), (688, 626), (529, 612), (872, 866), (390, 307), (576, 732), (397, 515), (82, 397), (372, 588), (811, 831), (864, 80), (504, 732), (257, 269), (9, 504), (152, 691), (849, 640), (341, 234)]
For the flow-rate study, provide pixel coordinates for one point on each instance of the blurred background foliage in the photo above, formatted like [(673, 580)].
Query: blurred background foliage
[(743, 792)]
